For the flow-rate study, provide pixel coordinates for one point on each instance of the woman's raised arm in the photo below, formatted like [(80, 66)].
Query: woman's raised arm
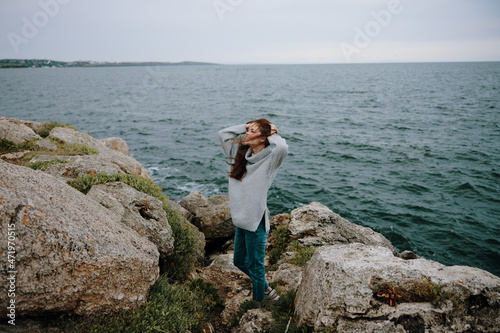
[(227, 137)]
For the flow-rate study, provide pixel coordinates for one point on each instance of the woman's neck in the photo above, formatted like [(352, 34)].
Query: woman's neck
[(258, 148)]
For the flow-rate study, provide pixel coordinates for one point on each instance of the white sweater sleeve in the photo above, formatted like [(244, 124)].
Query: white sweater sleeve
[(227, 139), (279, 150)]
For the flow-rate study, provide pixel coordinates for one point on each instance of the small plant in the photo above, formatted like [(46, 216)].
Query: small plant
[(302, 256), (78, 149), (426, 291), (391, 295), (182, 261), (57, 141), (7, 146), (209, 294), (302, 253), (45, 130), (278, 241), (282, 312), (414, 291), (43, 165)]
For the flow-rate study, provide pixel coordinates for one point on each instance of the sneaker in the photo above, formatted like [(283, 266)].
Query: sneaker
[(272, 295)]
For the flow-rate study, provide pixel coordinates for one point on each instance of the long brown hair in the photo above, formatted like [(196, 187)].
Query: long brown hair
[(239, 167)]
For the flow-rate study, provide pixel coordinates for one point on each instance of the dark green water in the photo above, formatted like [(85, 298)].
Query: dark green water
[(410, 150)]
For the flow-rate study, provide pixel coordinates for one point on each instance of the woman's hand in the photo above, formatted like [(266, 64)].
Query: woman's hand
[(273, 129)]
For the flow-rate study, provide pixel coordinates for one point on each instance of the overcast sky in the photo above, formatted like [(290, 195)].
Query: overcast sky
[(251, 31)]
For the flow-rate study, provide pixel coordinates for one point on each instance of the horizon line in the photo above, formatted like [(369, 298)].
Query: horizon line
[(260, 63)]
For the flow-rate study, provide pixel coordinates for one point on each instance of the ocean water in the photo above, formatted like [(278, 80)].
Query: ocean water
[(409, 150)]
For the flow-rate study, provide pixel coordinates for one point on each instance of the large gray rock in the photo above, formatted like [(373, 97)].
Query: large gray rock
[(141, 212), (280, 220), (117, 144), (16, 131), (108, 160), (71, 136), (36, 126), (340, 283), (71, 255), (316, 225), (211, 215), (224, 261), (287, 276)]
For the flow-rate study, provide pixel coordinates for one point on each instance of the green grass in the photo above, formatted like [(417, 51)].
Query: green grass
[(7, 146), (182, 261), (279, 240), (208, 293), (77, 149), (141, 184), (43, 165), (169, 308), (69, 149), (63, 148), (302, 253)]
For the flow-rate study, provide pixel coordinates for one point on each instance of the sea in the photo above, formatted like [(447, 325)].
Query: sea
[(411, 150)]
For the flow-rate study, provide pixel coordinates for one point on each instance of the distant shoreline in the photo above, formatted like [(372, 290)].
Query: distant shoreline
[(46, 63)]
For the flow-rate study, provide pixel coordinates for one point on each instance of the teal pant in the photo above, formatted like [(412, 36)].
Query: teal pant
[(249, 253)]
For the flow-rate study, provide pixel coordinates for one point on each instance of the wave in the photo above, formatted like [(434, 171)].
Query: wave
[(416, 188), (418, 208), (466, 189), (474, 155), (351, 92), (333, 155), (359, 146)]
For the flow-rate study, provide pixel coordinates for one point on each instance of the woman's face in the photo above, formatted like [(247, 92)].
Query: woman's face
[(253, 137)]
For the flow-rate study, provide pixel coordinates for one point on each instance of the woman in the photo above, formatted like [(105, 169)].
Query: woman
[(254, 161)]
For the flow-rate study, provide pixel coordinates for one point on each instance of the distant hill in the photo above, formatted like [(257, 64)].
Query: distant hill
[(44, 63)]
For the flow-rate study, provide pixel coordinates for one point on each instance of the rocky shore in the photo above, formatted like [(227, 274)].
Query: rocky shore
[(70, 246)]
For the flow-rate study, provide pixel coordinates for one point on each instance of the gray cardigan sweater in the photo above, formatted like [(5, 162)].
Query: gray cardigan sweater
[(248, 197)]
